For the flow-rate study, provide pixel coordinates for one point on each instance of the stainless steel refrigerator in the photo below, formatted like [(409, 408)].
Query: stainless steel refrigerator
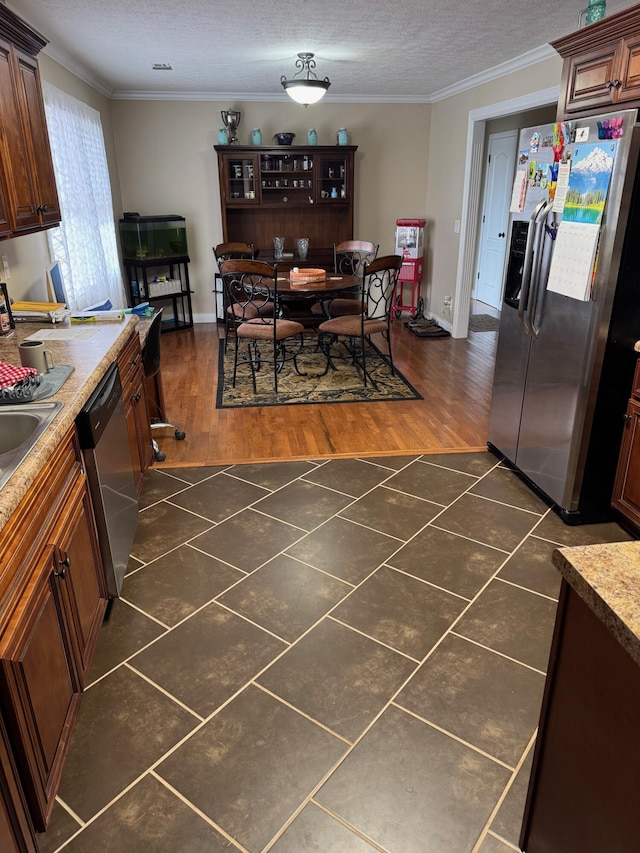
[(564, 365)]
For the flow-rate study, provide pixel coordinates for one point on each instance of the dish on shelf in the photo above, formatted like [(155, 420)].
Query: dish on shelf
[(284, 138)]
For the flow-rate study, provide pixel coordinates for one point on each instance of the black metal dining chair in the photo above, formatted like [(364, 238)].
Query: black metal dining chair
[(251, 289), (379, 282), (349, 258), (151, 366), (236, 252)]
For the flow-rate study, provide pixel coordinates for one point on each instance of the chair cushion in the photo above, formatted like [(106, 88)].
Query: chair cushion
[(351, 326), (250, 311), (337, 307), (262, 330)]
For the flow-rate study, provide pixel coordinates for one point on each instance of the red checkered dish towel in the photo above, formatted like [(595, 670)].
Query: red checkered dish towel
[(11, 373)]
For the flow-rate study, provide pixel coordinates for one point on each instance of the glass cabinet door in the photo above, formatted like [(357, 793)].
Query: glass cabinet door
[(334, 179), (242, 178), (286, 177)]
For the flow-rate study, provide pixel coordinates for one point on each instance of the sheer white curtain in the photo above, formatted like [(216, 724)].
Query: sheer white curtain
[(85, 242)]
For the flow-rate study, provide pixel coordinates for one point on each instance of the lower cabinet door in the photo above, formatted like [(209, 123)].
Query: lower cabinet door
[(626, 491), (41, 693), (82, 582)]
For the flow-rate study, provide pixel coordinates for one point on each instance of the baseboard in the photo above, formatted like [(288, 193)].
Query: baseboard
[(444, 324), (205, 318)]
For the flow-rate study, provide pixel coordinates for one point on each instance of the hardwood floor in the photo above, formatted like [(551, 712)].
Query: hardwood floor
[(453, 375)]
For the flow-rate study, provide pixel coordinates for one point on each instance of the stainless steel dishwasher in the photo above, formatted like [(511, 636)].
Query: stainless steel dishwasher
[(105, 446)]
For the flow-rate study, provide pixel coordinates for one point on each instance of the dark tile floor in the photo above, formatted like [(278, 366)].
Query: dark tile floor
[(340, 656)]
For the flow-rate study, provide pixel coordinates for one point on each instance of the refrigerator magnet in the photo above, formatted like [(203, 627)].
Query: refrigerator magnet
[(535, 142)]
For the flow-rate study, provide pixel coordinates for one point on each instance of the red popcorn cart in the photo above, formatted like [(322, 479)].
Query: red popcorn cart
[(409, 244)]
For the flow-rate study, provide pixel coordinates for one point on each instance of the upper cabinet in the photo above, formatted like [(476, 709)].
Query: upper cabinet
[(601, 69), (28, 195), (287, 191)]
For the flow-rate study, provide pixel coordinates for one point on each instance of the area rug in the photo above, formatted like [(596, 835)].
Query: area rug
[(343, 385), (483, 323)]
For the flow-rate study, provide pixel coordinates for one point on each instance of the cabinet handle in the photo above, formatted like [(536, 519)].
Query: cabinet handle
[(43, 208), (614, 84), (136, 397), (134, 361), (626, 417), (65, 563)]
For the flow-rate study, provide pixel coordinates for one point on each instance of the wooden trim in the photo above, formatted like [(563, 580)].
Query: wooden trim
[(21, 34), (609, 29)]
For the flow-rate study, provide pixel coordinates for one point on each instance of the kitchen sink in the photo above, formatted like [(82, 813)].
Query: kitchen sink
[(20, 427)]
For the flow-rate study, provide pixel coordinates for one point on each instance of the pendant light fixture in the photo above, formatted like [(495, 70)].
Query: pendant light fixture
[(305, 87)]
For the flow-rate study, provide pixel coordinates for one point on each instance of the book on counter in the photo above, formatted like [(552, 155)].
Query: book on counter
[(39, 312)]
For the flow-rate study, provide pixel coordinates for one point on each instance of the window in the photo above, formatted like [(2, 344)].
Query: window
[(85, 242)]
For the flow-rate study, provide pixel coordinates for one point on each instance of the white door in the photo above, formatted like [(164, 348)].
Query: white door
[(495, 216)]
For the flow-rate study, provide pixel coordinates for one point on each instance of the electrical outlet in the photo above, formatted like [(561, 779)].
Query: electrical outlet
[(5, 267), (456, 226)]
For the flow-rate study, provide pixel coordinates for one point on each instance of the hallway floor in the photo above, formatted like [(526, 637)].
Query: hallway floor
[(341, 656)]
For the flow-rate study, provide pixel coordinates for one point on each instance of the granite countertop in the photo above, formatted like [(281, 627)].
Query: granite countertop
[(607, 579), (90, 357)]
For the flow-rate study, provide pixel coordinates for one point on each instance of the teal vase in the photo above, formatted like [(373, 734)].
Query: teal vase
[(595, 11), (312, 136), (223, 136), (256, 136), (343, 136)]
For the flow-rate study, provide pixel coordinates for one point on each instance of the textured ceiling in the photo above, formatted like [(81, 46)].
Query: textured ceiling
[(371, 50)]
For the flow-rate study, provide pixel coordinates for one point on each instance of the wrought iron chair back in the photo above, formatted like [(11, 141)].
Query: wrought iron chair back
[(350, 256), (379, 282), (233, 251), (251, 289), (226, 252)]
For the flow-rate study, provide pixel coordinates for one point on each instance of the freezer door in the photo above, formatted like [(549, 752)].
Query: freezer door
[(512, 356)]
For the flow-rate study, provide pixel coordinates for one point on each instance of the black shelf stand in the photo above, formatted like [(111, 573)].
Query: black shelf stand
[(140, 286)]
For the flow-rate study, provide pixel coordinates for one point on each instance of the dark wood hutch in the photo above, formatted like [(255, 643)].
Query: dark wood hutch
[(291, 191)]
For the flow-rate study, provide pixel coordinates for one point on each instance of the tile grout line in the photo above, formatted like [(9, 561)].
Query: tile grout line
[(503, 796), (392, 473)]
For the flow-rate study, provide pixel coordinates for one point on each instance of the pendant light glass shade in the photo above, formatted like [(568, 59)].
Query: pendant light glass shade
[(305, 87)]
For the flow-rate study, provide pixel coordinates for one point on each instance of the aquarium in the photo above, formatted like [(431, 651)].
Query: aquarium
[(148, 238)]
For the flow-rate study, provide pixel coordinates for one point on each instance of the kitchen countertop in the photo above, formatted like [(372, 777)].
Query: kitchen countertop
[(90, 357), (607, 579)]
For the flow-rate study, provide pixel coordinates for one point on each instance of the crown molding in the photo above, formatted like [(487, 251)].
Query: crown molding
[(525, 60), (63, 58), (276, 97)]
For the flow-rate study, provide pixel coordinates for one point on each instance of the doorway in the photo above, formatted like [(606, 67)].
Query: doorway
[(500, 166), (477, 124)]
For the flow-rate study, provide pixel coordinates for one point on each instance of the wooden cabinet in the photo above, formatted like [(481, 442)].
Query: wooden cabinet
[(16, 832), (601, 70), (54, 599), (583, 791), (289, 191), (626, 491), (135, 407), (27, 180)]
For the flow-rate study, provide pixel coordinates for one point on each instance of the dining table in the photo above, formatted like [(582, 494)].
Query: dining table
[(325, 291)]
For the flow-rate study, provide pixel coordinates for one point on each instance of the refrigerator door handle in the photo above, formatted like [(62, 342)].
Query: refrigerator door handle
[(540, 289), (532, 234)]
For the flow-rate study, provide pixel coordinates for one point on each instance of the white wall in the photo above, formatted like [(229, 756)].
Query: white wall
[(446, 166), (167, 165)]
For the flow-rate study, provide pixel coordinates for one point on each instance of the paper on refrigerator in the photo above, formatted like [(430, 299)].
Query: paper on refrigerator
[(519, 192), (573, 260)]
